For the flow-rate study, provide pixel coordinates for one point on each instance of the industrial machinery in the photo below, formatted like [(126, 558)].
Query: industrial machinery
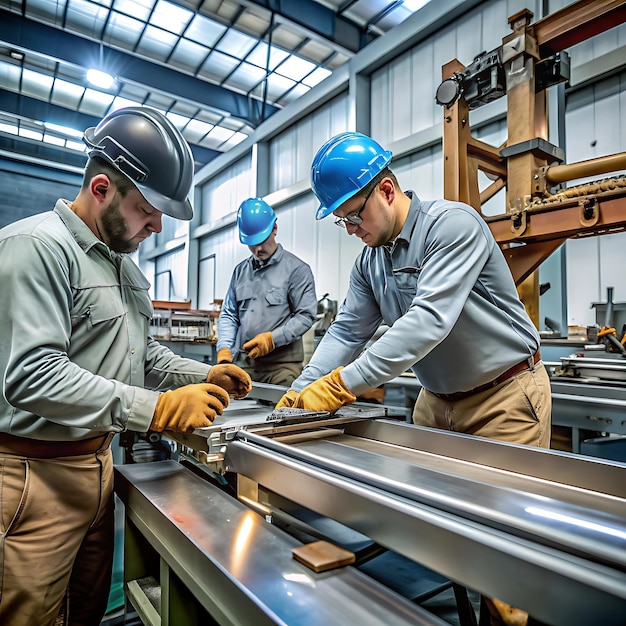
[(539, 215), (539, 529), (287, 517)]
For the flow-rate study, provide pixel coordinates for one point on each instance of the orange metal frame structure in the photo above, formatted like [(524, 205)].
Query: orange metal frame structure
[(537, 219)]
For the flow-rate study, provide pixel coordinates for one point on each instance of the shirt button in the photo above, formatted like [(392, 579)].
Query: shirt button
[(132, 350)]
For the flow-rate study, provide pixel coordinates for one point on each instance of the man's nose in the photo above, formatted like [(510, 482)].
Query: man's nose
[(155, 224)]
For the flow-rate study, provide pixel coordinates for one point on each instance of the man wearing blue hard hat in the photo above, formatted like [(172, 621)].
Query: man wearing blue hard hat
[(432, 272), (269, 305)]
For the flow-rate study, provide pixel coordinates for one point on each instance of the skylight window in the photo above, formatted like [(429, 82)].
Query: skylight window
[(63, 130), (171, 17), (295, 68)]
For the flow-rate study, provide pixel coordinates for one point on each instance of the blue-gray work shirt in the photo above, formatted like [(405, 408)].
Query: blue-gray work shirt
[(278, 297), (75, 353), (446, 292)]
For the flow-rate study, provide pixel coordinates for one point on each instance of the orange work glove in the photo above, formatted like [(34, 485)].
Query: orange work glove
[(326, 394), (224, 355), (286, 402), (259, 346), (184, 409), (232, 378)]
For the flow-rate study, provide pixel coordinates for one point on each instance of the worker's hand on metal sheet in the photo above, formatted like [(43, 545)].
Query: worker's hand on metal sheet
[(184, 409), (286, 402), (224, 355), (329, 393), (259, 346), (232, 378)]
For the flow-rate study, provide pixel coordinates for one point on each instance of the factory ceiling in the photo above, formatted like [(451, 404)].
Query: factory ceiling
[(217, 68)]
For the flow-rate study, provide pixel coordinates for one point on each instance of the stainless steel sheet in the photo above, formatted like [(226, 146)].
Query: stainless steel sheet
[(240, 567)]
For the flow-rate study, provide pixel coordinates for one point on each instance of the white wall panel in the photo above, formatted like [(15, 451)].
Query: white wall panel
[(292, 151), (170, 276), (223, 194), (329, 250), (224, 246), (403, 91), (421, 172)]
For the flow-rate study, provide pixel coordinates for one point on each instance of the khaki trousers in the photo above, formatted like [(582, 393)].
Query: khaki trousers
[(517, 410), (56, 536)]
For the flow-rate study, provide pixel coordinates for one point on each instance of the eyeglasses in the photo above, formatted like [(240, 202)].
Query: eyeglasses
[(354, 218)]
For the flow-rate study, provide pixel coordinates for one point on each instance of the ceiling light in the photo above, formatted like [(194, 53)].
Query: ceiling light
[(17, 55), (100, 79)]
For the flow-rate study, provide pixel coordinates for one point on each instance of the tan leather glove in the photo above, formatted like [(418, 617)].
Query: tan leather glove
[(286, 402), (326, 394), (259, 346), (224, 355), (184, 409), (232, 378)]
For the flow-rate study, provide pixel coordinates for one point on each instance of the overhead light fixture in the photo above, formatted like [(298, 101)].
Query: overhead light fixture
[(101, 79), (17, 55)]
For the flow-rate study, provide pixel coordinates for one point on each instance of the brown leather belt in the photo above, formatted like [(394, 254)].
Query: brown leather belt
[(516, 369), (40, 449)]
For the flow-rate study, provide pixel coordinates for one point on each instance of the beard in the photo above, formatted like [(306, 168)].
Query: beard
[(115, 228)]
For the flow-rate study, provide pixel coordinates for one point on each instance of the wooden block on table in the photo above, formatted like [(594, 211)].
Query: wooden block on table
[(321, 556)]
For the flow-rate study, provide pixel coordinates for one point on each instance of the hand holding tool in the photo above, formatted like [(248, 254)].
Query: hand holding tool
[(189, 407), (286, 402), (259, 346), (328, 393), (232, 378)]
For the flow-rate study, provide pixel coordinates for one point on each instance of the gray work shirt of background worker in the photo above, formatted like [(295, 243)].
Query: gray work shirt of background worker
[(277, 296)]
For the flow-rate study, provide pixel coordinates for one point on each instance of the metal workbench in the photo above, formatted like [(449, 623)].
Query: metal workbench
[(542, 530)]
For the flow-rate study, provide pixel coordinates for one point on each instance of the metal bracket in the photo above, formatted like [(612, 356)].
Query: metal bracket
[(589, 212)]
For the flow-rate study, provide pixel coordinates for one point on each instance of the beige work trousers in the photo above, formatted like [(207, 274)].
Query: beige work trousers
[(517, 410), (56, 536)]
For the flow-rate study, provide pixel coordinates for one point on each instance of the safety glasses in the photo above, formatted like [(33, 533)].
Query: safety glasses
[(354, 218)]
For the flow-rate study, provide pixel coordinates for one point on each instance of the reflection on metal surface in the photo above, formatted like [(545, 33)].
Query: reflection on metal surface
[(568, 519), (241, 543), (402, 486)]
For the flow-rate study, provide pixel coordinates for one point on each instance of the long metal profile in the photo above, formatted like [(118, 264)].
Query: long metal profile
[(559, 467), (555, 586), (239, 567)]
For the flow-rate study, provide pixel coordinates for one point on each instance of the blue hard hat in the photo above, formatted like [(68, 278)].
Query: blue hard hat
[(255, 220), (343, 166)]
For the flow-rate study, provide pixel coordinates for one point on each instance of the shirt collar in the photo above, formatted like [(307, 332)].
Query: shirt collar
[(83, 235), (275, 258)]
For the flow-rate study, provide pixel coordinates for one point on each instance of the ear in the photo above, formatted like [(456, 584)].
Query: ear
[(99, 186), (387, 187)]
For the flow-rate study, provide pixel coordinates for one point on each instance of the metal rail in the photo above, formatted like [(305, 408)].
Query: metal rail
[(483, 523)]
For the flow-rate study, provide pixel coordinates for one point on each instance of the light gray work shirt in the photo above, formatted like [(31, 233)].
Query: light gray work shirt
[(277, 296), (75, 354), (447, 294)]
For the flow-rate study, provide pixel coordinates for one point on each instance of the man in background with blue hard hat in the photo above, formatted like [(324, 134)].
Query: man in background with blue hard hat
[(269, 305), (433, 272)]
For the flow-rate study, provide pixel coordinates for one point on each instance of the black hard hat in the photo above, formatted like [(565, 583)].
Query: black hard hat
[(148, 149)]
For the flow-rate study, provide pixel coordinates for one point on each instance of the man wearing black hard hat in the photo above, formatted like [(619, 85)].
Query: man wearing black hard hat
[(78, 366)]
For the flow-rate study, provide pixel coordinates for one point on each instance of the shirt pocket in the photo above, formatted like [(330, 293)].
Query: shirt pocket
[(406, 282), (276, 295), (244, 296), (102, 312)]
